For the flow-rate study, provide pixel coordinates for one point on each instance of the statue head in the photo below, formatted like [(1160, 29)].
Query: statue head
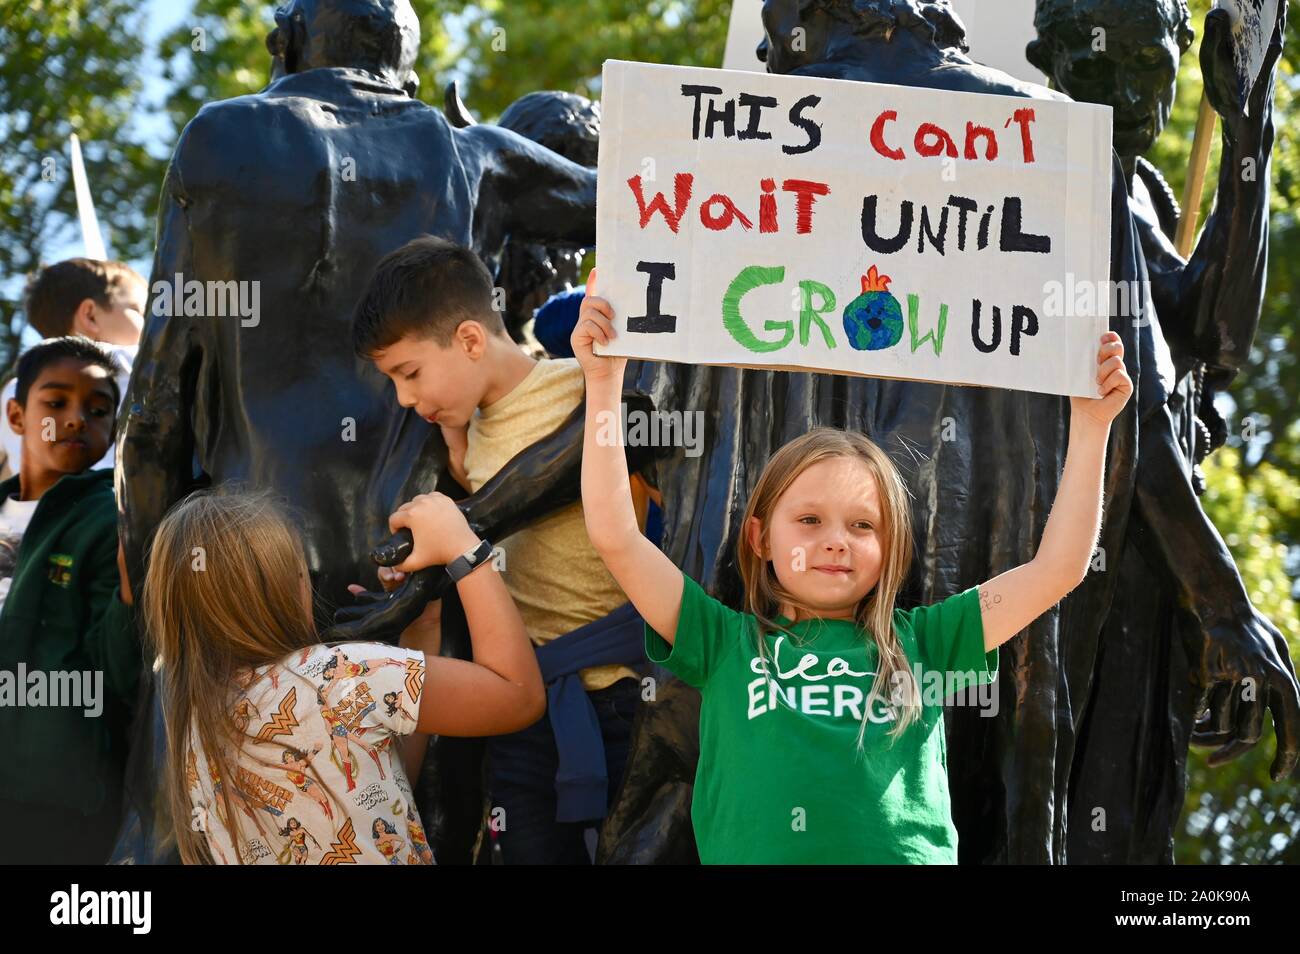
[(1119, 53), (379, 36), (565, 123), (798, 31)]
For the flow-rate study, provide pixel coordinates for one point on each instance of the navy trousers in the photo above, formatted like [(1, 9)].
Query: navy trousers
[(521, 780)]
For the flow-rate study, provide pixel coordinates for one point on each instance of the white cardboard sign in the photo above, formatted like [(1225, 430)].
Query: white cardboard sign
[(759, 220)]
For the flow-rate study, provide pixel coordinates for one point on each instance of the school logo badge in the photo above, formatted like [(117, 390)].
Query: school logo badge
[(60, 569)]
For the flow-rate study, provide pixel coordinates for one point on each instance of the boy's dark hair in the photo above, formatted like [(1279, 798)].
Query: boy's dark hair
[(53, 293), (33, 362), (425, 288)]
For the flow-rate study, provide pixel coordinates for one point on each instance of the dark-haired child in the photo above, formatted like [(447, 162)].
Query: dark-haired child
[(69, 655), (427, 320), (86, 297)]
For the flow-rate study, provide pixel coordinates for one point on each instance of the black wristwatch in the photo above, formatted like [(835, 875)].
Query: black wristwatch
[(469, 561)]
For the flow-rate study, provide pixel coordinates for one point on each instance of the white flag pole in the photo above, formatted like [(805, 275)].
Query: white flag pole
[(90, 234)]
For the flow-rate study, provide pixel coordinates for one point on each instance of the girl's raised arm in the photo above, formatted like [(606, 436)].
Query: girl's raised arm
[(1011, 601), (501, 690), (646, 575)]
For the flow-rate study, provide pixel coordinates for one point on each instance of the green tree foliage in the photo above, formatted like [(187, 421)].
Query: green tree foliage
[(67, 66), (517, 46), (499, 50), (1235, 814), (74, 65)]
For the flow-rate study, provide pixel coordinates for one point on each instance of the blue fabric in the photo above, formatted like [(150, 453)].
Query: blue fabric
[(654, 525), (554, 321), (581, 779)]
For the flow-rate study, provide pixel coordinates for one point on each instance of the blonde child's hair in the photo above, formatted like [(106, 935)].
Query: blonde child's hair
[(764, 594), (224, 592)]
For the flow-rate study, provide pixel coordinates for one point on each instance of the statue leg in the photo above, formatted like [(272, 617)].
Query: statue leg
[(649, 821), (1129, 775), (1132, 757)]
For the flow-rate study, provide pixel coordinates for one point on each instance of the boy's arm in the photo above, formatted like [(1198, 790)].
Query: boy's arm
[(1011, 601)]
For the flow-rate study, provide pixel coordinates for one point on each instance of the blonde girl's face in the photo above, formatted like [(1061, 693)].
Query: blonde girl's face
[(824, 537)]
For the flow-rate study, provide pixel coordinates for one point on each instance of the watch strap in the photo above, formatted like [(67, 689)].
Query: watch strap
[(468, 561)]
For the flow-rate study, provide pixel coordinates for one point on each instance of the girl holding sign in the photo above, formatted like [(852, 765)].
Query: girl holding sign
[(821, 724)]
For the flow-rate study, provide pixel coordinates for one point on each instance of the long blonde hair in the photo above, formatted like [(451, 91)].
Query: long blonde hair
[(224, 592), (764, 593)]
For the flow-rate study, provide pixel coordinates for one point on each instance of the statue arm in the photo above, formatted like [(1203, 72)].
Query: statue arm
[(539, 195), (1221, 288), (550, 468), (1218, 294), (1186, 541), (539, 480), (1245, 665), (155, 444)]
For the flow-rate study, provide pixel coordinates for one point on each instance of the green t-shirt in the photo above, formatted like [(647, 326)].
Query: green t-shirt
[(780, 779)]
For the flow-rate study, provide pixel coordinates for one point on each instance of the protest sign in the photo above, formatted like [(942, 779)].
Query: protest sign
[(798, 222)]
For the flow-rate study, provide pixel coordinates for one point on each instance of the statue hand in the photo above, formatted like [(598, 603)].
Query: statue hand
[(395, 549), (363, 597), (1246, 668), (383, 617), (1223, 87)]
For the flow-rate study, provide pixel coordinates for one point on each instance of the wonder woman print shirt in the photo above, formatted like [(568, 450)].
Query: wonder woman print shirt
[(318, 779)]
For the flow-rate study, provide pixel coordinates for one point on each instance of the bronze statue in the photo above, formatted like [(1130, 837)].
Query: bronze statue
[(1182, 633), (294, 193)]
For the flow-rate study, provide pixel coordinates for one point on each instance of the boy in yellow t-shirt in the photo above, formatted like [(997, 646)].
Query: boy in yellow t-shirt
[(427, 321)]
